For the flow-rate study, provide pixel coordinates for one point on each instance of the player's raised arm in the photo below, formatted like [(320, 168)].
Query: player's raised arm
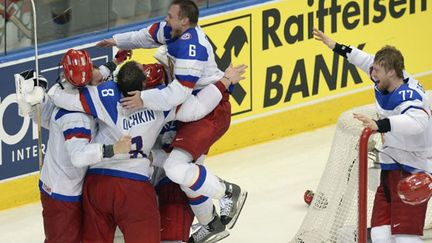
[(150, 37), (355, 56)]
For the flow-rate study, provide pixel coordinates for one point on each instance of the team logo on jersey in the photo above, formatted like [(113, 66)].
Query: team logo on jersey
[(186, 36), (234, 46)]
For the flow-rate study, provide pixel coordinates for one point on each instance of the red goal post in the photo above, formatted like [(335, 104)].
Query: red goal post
[(363, 180)]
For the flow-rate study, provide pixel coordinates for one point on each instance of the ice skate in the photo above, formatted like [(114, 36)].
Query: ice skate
[(210, 233), (232, 204)]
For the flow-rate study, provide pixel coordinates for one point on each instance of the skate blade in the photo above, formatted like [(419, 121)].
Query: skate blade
[(217, 237), (241, 203)]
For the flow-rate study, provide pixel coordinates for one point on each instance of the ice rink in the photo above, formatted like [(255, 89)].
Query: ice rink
[(275, 173)]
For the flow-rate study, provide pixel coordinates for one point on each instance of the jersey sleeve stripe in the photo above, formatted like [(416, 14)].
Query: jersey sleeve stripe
[(63, 112), (77, 132), (87, 102), (167, 33), (187, 80), (154, 29), (187, 84), (415, 107)]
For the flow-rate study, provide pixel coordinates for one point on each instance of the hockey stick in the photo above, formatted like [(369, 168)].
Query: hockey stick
[(38, 106)]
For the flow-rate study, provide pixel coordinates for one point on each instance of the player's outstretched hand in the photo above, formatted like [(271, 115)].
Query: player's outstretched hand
[(133, 101), (367, 122), (234, 74), (319, 35), (121, 56), (123, 145), (107, 43)]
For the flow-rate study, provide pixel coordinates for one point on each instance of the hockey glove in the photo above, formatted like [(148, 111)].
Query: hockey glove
[(122, 55), (29, 90), (161, 55)]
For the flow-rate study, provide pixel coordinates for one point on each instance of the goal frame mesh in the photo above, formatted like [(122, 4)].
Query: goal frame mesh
[(342, 205)]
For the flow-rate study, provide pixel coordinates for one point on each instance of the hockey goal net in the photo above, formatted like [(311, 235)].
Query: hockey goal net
[(333, 214)]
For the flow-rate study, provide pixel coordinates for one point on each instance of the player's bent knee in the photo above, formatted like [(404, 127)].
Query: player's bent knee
[(174, 171), (176, 166), (381, 234)]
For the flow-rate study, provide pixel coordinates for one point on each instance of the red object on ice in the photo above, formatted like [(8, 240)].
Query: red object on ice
[(308, 196)]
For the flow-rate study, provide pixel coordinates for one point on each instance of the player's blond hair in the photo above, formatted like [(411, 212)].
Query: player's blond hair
[(390, 58)]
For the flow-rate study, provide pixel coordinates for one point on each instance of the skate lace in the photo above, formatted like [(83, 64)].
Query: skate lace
[(202, 233), (226, 205)]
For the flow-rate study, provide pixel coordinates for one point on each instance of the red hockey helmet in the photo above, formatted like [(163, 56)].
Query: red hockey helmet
[(155, 73), (77, 67), (415, 189)]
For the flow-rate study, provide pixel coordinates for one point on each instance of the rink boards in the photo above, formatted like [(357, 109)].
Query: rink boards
[(294, 82)]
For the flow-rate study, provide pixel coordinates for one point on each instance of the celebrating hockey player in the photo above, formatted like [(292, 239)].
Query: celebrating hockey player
[(405, 123), (192, 61), (69, 151)]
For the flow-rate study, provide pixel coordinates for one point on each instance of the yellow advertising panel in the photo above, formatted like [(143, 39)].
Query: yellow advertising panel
[(289, 68)]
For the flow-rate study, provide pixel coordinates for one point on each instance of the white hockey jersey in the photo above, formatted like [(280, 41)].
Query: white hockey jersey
[(143, 125), (191, 57), (408, 109), (63, 171), (69, 151)]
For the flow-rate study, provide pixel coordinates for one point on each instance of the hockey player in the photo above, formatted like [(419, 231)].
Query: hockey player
[(105, 204), (174, 206), (405, 123), (193, 64), (175, 213), (68, 155), (203, 209)]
